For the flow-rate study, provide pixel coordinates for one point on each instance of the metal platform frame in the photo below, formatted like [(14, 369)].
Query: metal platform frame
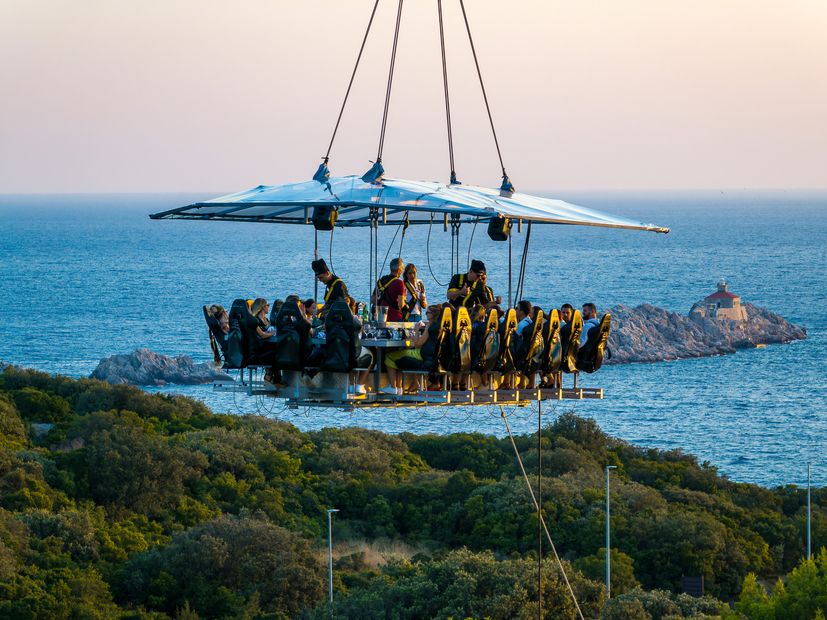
[(330, 390)]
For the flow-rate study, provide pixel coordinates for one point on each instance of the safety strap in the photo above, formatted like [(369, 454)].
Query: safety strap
[(381, 287), (330, 288)]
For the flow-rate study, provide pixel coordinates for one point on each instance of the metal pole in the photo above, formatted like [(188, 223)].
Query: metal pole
[(315, 257), (330, 512), (608, 537), (809, 546), (539, 509), (509, 271)]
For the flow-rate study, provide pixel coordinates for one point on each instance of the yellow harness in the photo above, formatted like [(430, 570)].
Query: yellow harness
[(330, 289)]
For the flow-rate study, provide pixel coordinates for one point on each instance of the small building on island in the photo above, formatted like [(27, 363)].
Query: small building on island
[(722, 304)]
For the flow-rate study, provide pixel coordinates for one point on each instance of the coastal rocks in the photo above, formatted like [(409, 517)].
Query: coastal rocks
[(144, 367), (650, 334)]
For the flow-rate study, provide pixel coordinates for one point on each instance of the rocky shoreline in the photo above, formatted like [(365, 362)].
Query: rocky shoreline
[(646, 333), (145, 367)]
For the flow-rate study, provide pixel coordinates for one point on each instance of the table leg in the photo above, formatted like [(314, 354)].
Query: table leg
[(377, 373)]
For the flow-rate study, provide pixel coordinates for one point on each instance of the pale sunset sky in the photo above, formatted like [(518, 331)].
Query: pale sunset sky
[(217, 96)]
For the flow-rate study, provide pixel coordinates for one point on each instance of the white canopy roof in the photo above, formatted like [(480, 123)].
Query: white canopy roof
[(394, 199)]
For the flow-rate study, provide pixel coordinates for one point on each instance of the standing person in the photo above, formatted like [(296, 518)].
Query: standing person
[(390, 292), (589, 321), (335, 288), (415, 300), (468, 289)]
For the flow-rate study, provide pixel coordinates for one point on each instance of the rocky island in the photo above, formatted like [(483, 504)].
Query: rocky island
[(716, 325), (649, 334), (145, 367)]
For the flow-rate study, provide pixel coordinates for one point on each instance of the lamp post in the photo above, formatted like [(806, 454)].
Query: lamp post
[(330, 512), (608, 537), (809, 546)]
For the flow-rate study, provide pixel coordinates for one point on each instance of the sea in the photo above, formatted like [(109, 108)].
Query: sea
[(85, 276)]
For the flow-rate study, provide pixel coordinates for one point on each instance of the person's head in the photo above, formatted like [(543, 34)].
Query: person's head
[(321, 270), (260, 305), (217, 311), (410, 273), (277, 305), (589, 311), (294, 299), (354, 307), (478, 314), (310, 307), (476, 270), (397, 265), (523, 309), (566, 311)]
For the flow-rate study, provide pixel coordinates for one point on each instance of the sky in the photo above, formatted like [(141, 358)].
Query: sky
[(217, 96)]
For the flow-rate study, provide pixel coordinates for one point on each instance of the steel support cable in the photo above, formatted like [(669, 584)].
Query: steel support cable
[(428, 252), (390, 83), (470, 241), (482, 86), (350, 84), (390, 247), (509, 272), (542, 520), (521, 277), (447, 101), (370, 266), (330, 250)]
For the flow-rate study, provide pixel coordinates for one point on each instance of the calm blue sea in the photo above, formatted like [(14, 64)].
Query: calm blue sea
[(86, 276)]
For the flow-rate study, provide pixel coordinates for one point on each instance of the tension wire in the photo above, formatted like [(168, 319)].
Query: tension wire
[(506, 182), (390, 83), (350, 84)]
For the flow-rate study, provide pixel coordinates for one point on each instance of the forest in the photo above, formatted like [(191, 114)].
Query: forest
[(115, 503)]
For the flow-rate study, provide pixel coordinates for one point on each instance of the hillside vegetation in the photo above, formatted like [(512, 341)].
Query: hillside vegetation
[(116, 503)]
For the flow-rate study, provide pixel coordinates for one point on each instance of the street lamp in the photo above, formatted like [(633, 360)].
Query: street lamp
[(330, 512), (608, 537)]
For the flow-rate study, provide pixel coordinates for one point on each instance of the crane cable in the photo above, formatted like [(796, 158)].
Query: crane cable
[(470, 241), (447, 101), (521, 278), (537, 507), (482, 86), (428, 252), (390, 83), (350, 84)]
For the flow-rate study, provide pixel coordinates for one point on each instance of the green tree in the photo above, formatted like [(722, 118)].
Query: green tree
[(222, 567), (623, 570)]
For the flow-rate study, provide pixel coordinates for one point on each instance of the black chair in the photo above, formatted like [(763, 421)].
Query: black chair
[(292, 334), (530, 348), (443, 335), (485, 344), (570, 339), (236, 355), (461, 357), (590, 356), (341, 347), (553, 354), (508, 341)]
